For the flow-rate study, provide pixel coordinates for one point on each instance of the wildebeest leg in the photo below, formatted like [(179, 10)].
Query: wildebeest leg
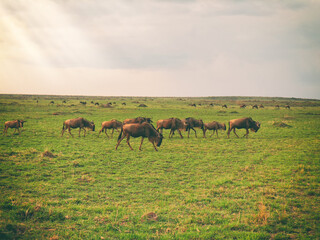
[(246, 133), (212, 133), (141, 143), (180, 133), (105, 131), (69, 129), (123, 136), (100, 131), (112, 132), (18, 131), (170, 134), (234, 130), (195, 133), (84, 129), (128, 137), (217, 133)]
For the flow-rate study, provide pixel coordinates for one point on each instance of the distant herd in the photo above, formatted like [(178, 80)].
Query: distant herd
[(142, 127)]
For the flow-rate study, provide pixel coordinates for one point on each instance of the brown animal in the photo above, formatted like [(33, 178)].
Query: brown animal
[(171, 123), (140, 130), (137, 120), (16, 124), (255, 106), (113, 124), (191, 123), (246, 123), (277, 106), (261, 106), (287, 106), (224, 106), (243, 106), (215, 126), (80, 123)]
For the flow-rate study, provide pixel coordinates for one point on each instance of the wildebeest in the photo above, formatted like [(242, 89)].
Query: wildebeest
[(140, 130), (211, 104), (191, 123), (287, 106), (124, 104), (255, 106), (16, 124), (261, 106), (52, 102), (97, 104), (112, 124), (137, 120), (246, 123), (243, 106), (215, 126), (277, 106), (171, 123), (77, 123), (224, 106)]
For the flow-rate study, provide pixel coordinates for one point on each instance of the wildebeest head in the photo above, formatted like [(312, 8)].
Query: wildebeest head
[(158, 139), (223, 126), (255, 126), (21, 122), (93, 126)]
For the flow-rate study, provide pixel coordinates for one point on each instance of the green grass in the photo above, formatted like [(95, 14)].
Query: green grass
[(263, 187)]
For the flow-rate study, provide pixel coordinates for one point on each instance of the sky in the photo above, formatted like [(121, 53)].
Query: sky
[(160, 47)]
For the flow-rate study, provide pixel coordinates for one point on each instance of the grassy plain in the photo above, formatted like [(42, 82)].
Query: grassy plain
[(263, 187)]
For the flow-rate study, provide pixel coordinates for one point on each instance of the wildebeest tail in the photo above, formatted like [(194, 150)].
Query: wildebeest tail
[(120, 133)]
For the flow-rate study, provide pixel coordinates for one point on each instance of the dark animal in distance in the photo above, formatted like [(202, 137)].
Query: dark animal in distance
[(255, 106), (215, 126), (83, 103), (191, 123), (246, 123), (16, 124), (52, 102), (80, 123), (172, 124), (261, 106), (224, 106), (287, 106), (243, 106), (124, 104), (137, 120), (277, 106), (140, 130), (112, 124)]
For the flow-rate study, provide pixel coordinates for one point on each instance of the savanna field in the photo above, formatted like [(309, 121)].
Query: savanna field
[(263, 187)]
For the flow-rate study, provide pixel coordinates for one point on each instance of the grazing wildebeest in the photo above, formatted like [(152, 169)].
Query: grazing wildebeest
[(140, 130), (191, 123), (224, 106), (287, 106), (171, 123), (261, 106), (255, 106), (193, 105), (113, 124), (96, 104), (64, 101), (124, 104), (215, 126), (246, 123), (243, 106), (16, 124), (80, 123), (83, 103), (52, 102), (277, 106), (211, 104), (137, 120)]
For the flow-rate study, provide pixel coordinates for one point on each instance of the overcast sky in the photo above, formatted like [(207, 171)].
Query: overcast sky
[(161, 47)]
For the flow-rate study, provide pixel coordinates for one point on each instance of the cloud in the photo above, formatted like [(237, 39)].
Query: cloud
[(189, 44)]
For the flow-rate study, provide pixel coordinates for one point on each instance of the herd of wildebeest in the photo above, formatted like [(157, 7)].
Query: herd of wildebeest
[(142, 127)]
